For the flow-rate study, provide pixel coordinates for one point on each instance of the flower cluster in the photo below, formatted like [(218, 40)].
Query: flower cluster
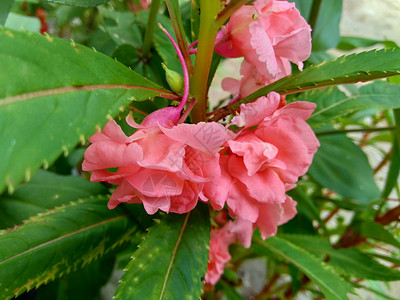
[(244, 168)]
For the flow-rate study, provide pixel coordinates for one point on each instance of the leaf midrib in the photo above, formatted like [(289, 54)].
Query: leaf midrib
[(68, 89), (178, 241), (63, 236)]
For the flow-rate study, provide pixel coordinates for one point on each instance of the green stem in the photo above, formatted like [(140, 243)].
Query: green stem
[(151, 22), (354, 130), (225, 14), (199, 81), (312, 20)]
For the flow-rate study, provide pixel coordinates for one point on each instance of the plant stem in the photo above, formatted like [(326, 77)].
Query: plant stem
[(354, 130), (148, 37), (199, 81), (312, 20)]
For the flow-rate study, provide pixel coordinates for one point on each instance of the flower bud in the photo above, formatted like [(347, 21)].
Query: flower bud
[(174, 79)]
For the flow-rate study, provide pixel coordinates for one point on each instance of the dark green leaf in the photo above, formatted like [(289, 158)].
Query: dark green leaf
[(84, 3), (347, 262), (45, 191), (331, 284), (49, 105), (5, 7), (171, 261), (341, 166), (59, 241)]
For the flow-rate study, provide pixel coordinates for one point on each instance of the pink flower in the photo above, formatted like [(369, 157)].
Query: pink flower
[(250, 81), (219, 255), (263, 160), (238, 230), (163, 168), (269, 34)]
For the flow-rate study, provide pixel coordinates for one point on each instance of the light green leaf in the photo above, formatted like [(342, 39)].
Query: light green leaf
[(5, 7), (340, 165), (59, 241), (20, 22), (55, 94), (350, 261), (333, 103), (171, 261), (84, 3), (45, 191), (330, 283)]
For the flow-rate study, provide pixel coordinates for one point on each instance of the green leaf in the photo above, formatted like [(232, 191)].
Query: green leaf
[(5, 7), (376, 231), (83, 284), (349, 261), (350, 43), (171, 261), (45, 191), (326, 33), (20, 22), (394, 169), (230, 291), (364, 66), (59, 241), (352, 68), (56, 94), (340, 165), (333, 103), (83, 3), (331, 284)]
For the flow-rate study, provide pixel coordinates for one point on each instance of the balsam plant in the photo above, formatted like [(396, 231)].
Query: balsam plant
[(118, 92)]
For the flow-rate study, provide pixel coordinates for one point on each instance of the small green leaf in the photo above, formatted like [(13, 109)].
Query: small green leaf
[(171, 260), (5, 7), (59, 241), (340, 165), (84, 3), (56, 94), (45, 191), (331, 284)]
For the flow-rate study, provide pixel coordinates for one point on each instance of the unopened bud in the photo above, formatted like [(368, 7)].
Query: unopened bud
[(174, 79)]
